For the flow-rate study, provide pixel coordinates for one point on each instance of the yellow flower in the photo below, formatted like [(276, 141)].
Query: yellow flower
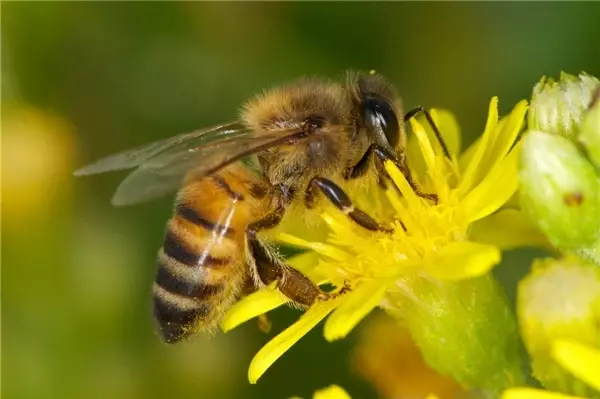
[(39, 152), (337, 392), (429, 240), (331, 392), (581, 360)]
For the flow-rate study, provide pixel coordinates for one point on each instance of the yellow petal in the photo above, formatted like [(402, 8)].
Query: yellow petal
[(292, 240), (416, 163), (354, 307), (581, 360), (400, 181), (505, 138), (251, 306), (465, 157), (531, 393), (284, 341), (492, 147), (304, 262), (424, 144), (319, 247), (331, 392), (476, 154), (463, 259), (508, 229), (495, 189), (450, 131)]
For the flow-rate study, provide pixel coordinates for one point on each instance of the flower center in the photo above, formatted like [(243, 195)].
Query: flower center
[(421, 228)]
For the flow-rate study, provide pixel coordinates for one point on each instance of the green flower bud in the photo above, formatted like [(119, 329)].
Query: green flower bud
[(590, 130), (560, 191), (558, 107), (559, 299)]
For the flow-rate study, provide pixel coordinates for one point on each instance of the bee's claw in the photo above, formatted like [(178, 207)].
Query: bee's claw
[(388, 230), (323, 297), (328, 296), (432, 197)]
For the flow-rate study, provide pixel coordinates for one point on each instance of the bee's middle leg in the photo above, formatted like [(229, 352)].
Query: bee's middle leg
[(340, 200), (269, 268)]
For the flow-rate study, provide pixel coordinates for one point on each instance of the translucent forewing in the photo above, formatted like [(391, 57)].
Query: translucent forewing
[(164, 173), (137, 156), (161, 166)]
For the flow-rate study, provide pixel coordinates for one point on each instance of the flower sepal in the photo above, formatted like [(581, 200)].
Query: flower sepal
[(560, 190)]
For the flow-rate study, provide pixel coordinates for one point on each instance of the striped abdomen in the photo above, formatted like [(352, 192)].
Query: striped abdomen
[(201, 265)]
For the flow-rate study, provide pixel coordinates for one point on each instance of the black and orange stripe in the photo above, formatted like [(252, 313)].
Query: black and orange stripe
[(200, 268)]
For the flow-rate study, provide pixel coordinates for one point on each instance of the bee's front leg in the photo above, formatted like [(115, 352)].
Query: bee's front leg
[(340, 200), (413, 112), (382, 154)]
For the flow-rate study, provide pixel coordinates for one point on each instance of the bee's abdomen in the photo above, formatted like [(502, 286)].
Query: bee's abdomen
[(196, 275), (201, 266), (175, 249), (176, 316)]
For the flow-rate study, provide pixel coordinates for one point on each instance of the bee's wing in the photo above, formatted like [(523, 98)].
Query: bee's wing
[(164, 173), (137, 156)]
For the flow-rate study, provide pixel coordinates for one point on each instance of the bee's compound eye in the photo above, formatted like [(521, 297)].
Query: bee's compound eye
[(380, 116)]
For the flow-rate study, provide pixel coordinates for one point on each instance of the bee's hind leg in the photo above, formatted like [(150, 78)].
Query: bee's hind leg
[(340, 200), (267, 267), (290, 282)]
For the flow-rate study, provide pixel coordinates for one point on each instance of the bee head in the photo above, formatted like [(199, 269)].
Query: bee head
[(378, 110)]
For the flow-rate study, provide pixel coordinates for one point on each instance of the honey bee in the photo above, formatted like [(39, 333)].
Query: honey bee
[(303, 137)]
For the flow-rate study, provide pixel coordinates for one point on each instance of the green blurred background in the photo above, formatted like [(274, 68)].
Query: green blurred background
[(82, 80)]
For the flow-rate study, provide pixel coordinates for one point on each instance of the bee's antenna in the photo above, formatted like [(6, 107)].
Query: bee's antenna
[(413, 112)]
